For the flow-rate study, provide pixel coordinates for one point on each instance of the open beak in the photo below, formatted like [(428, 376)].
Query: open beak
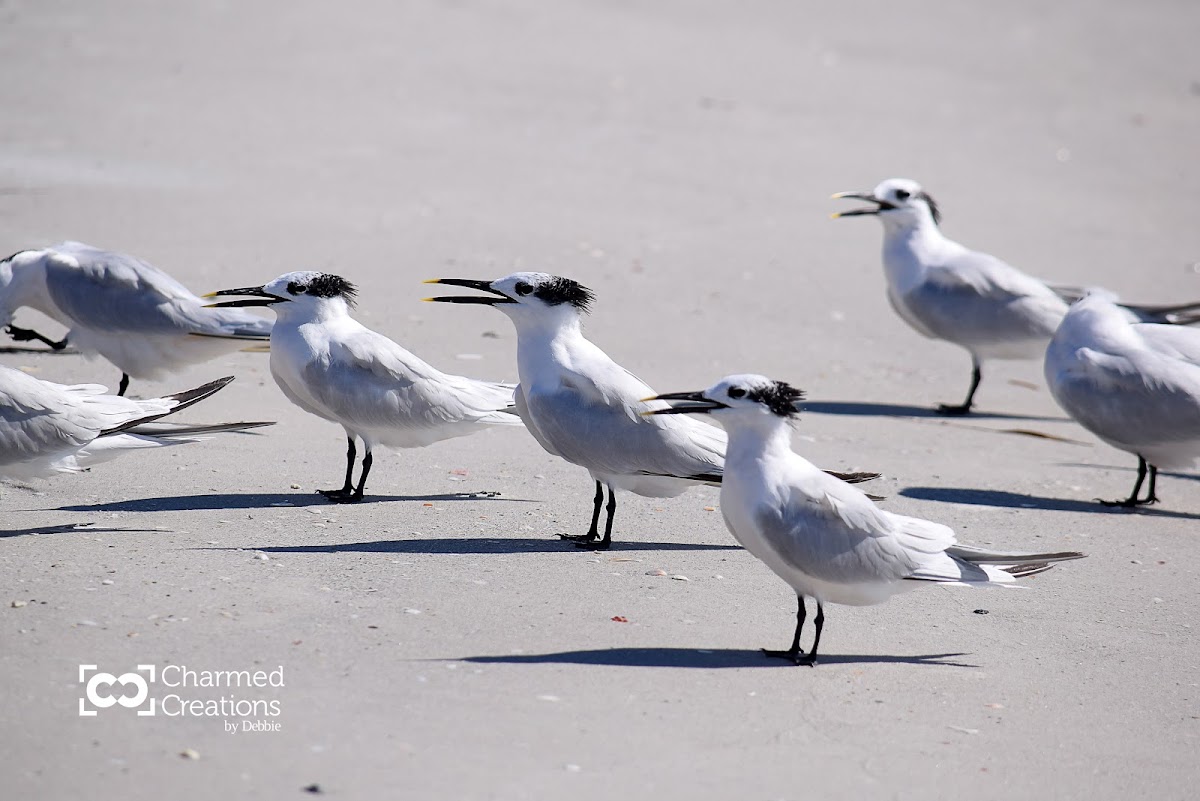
[(696, 403), (880, 205), (259, 298), (482, 286)]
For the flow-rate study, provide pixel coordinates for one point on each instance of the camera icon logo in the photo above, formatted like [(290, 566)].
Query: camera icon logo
[(99, 690)]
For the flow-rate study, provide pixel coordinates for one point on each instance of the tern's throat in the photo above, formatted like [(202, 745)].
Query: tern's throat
[(312, 310), (756, 439), (548, 345), (910, 247), (23, 283)]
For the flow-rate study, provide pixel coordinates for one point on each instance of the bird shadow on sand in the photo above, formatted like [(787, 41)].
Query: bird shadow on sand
[(264, 500), (867, 409), (477, 545), (76, 528), (46, 351), (1017, 500), (703, 658)]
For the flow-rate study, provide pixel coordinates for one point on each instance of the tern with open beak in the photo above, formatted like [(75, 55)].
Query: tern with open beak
[(584, 407)]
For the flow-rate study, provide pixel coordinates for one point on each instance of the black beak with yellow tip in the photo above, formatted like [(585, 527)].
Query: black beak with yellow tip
[(260, 297), (880, 205), (696, 403), (482, 286)]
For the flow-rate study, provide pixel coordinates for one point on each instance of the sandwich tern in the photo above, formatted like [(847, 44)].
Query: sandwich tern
[(330, 365), (134, 315), (48, 428), (1135, 385), (825, 538), (946, 291), (582, 406)]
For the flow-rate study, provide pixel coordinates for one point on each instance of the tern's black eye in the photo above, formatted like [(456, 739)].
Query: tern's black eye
[(296, 288), (902, 194), (523, 288), (737, 392)]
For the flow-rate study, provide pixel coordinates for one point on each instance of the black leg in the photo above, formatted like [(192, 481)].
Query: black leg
[(1151, 497), (603, 544), (357, 494), (592, 533), (794, 653), (124, 384), (28, 335), (362, 478), (347, 487), (820, 621), (1132, 500), (965, 407)]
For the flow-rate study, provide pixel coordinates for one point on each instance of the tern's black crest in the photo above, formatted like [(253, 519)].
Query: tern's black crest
[(933, 206), (558, 290), (326, 285), (778, 396)]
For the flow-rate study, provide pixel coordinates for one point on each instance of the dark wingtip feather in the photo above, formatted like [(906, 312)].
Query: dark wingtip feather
[(183, 400), (854, 478)]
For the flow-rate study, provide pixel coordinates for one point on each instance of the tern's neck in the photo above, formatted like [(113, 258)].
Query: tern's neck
[(23, 283), (324, 311), (910, 247), (757, 439), (548, 343)]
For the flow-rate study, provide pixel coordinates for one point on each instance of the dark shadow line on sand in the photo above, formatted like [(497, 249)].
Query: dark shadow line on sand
[(46, 351), (260, 500), (1016, 500), (868, 409), (77, 528), (475, 545), (702, 658)]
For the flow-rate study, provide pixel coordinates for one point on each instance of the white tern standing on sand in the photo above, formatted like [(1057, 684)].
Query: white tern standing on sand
[(330, 365), (134, 315), (50, 428), (947, 291), (1135, 385), (825, 538), (582, 406)]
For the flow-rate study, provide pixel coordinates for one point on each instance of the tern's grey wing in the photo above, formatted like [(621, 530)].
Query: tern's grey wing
[(108, 291), (607, 435), (1178, 314), (1172, 341), (372, 382), (530, 423), (979, 298), (832, 532), (1132, 399)]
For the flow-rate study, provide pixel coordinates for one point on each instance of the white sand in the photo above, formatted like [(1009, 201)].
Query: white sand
[(678, 160)]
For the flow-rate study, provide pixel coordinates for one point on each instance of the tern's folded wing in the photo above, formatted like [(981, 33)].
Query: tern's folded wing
[(832, 532), (371, 381), (109, 291), (608, 435)]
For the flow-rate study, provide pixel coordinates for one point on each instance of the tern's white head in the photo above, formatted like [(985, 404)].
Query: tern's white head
[(900, 203), (298, 294), (529, 299), (739, 400)]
